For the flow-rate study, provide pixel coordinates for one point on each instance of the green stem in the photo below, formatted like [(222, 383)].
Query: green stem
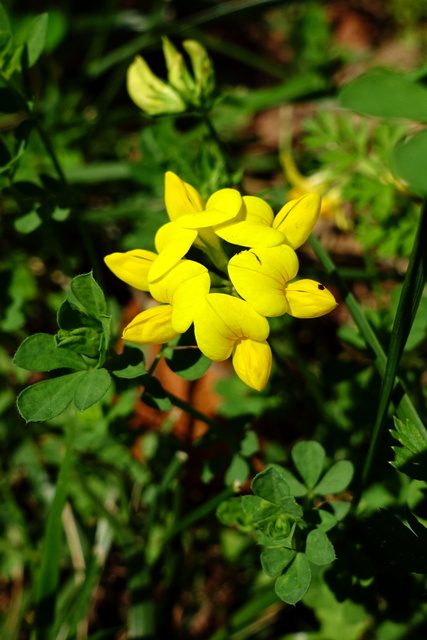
[(407, 308), (86, 239), (215, 137), (200, 512), (404, 407), (198, 415)]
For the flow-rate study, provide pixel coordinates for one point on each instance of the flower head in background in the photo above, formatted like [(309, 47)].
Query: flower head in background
[(321, 183), (229, 311), (182, 91)]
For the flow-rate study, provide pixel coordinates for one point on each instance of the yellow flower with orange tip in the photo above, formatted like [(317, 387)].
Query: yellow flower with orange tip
[(192, 222), (226, 326), (180, 290), (262, 276)]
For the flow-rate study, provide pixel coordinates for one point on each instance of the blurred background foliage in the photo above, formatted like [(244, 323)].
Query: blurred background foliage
[(82, 171)]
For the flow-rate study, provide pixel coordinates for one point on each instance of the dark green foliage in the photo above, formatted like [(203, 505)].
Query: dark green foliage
[(294, 535)]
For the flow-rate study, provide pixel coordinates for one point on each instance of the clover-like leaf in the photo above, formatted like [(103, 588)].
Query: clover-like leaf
[(40, 352), (309, 459), (336, 479), (294, 583), (270, 485), (275, 559), (318, 548)]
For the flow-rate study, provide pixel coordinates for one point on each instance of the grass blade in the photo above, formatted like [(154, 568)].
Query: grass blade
[(48, 578), (404, 407), (409, 301)]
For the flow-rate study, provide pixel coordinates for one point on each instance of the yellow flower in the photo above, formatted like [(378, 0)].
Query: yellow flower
[(182, 289), (261, 277), (154, 96), (226, 326), (332, 206), (132, 266), (191, 222), (292, 225)]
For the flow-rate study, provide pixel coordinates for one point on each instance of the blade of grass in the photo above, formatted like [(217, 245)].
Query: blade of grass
[(48, 579), (409, 301), (404, 407)]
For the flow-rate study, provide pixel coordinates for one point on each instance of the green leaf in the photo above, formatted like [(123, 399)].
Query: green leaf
[(47, 399), (4, 20), (28, 222), (386, 93), (402, 547), (93, 385), (322, 519), (411, 457), (275, 559), (84, 340), (309, 459), (410, 158), (36, 38), (231, 512), (318, 548), (294, 583), (89, 295), (296, 488), (129, 364), (336, 479), (154, 395), (40, 353), (69, 317), (249, 444), (238, 470), (270, 485), (189, 363), (257, 509)]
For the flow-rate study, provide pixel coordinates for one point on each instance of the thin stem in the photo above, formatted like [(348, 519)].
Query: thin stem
[(404, 407), (156, 360), (198, 415), (408, 304), (215, 137)]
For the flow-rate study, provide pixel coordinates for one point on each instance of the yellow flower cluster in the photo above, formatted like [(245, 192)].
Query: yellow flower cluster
[(260, 280)]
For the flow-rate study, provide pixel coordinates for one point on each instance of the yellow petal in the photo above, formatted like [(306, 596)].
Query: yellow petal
[(309, 299), (252, 361), (220, 320), (180, 197), (172, 242), (260, 276), (183, 287), (132, 266), (153, 326), (222, 206), (188, 296), (297, 219), (250, 234), (257, 210)]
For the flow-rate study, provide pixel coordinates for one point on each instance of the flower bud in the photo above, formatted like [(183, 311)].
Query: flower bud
[(183, 89)]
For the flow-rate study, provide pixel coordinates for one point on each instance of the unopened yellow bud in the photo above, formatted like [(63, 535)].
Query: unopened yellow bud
[(183, 89), (150, 93)]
